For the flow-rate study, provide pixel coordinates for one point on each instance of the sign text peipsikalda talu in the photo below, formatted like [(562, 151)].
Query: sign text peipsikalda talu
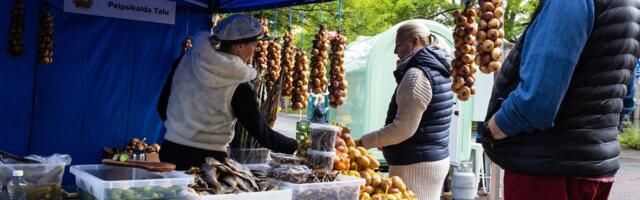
[(158, 11)]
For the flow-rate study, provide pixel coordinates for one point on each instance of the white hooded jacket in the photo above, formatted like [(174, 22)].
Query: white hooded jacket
[(199, 113)]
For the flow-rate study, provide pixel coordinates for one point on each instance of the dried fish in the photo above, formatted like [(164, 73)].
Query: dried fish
[(199, 185), (215, 177), (242, 172), (269, 185), (320, 176), (323, 137), (282, 159), (211, 176), (292, 173)]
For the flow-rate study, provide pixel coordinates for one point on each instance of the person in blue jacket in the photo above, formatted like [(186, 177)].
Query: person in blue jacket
[(319, 111), (553, 117), (629, 101)]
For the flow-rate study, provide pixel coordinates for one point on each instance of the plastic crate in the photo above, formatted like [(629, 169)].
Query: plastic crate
[(111, 182), (259, 170), (45, 179), (258, 167), (270, 195), (249, 155), (344, 188)]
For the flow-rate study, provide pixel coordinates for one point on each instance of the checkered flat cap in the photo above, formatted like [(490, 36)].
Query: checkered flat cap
[(237, 27)]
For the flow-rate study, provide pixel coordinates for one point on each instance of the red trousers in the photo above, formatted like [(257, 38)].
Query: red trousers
[(524, 187)]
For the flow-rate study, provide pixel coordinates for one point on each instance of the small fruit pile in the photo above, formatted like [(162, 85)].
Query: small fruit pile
[(139, 145), (338, 87), (357, 161), (45, 37), (287, 63), (132, 150), (299, 93), (16, 30), (319, 58)]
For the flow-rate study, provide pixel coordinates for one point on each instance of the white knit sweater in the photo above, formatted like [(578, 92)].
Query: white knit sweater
[(412, 96), (424, 178)]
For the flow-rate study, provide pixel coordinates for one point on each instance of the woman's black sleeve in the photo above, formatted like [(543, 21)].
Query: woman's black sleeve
[(246, 110)]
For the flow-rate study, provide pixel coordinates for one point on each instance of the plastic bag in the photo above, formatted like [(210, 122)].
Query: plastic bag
[(53, 159)]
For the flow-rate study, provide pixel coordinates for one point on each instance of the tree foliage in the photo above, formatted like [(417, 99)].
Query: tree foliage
[(370, 17), (517, 16)]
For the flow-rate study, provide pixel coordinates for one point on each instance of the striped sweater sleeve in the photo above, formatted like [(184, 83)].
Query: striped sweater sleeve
[(412, 96)]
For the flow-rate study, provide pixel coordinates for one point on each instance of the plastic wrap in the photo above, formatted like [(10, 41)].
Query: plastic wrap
[(292, 173)]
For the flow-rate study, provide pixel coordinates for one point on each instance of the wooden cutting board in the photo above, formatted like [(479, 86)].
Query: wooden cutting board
[(151, 166)]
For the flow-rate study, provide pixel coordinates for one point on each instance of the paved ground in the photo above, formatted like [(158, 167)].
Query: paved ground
[(625, 187), (286, 124), (628, 177)]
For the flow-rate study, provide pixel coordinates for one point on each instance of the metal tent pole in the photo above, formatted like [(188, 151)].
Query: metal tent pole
[(495, 182)]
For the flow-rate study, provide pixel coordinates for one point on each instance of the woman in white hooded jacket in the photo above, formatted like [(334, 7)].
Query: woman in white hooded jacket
[(211, 89)]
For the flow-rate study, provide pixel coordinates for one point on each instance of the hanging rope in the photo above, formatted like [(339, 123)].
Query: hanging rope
[(188, 11), (275, 22), (321, 11), (301, 29), (289, 24), (339, 15)]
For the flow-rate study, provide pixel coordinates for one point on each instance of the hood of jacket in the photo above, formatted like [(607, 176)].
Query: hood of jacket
[(215, 68)]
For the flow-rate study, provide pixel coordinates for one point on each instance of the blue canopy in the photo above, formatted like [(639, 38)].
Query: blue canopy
[(102, 87), (227, 6)]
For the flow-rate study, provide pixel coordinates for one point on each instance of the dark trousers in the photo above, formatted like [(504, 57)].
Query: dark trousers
[(524, 187), (185, 157)]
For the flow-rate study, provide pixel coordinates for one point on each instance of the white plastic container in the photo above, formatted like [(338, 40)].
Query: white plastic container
[(278, 159), (259, 170), (110, 182), (257, 167), (321, 160), (269, 195), (343, 188), (249, 156), (323, 136)]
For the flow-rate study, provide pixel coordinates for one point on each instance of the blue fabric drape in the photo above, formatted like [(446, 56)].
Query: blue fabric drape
[(101, 89)]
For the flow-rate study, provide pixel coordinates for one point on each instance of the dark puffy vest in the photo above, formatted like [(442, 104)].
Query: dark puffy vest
[(431, 140), (583, 141)]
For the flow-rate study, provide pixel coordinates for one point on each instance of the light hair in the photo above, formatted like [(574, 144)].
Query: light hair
[(415, 29), (319, 97)]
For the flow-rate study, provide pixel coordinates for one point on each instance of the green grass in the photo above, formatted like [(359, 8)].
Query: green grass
[(630, 137)]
